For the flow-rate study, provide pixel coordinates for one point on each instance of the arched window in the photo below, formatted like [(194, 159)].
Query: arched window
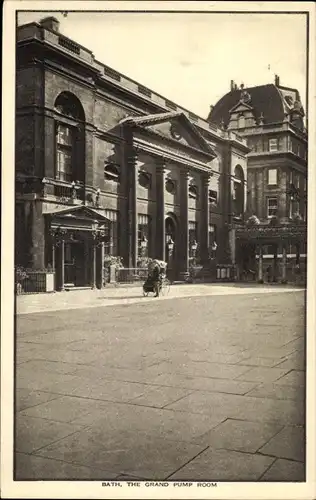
[(239, 196), (112, 172), (69, 138)]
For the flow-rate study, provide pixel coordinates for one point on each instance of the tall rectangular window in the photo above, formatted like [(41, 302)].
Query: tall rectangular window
[(212, 235), (272, 207), (64, 153), (111, 242), (272, 176), (143, 235), (193, 239), (273, 144)]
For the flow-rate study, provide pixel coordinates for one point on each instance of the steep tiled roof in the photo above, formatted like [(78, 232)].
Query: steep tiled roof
[(265, 99)]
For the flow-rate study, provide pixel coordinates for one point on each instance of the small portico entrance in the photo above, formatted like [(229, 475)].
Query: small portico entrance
[(76, 243)]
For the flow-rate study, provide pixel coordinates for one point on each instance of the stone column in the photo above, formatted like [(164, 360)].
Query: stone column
[(183, 251), (132, 173), (275, 263), (94, 260), (160, 212), (101, 273), (205, 218), (284, 262), (260, 265)]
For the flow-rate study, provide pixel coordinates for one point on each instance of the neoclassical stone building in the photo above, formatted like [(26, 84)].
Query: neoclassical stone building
[(106, 166)]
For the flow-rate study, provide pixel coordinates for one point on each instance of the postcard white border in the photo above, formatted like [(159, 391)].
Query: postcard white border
[(94, 489)]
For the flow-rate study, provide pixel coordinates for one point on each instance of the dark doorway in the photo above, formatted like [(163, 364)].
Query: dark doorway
[(74, 263)]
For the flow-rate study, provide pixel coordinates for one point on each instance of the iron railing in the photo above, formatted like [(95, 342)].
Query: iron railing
[(35, 282), (131, 275)]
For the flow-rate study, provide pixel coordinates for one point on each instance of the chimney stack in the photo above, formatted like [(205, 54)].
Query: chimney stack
[(50, 23), (277, 80), (232, 85)]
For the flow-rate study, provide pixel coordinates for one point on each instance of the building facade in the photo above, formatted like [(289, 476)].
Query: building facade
[(105, 166), (271, 118)]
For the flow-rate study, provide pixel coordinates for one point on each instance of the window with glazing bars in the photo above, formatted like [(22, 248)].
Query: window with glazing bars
[(64, 153)]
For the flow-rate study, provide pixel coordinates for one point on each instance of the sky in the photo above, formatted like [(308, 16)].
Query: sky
[(191, 58)]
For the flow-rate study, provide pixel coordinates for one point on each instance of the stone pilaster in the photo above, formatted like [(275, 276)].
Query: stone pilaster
[(38, 236), (50, 131), (160, 212), (183, 250), (132, 173), (205, 218)]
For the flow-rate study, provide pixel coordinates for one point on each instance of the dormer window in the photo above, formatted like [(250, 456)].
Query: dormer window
[(111, 172)]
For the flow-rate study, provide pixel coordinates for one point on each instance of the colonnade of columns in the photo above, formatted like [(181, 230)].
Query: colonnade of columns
[(284, 261), (182, 243)]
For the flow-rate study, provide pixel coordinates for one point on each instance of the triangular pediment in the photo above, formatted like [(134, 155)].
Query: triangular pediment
[(176, 127), (78, 212), (241, 107)]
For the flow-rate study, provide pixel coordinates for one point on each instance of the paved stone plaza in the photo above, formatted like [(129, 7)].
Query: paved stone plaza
[(201, 387)]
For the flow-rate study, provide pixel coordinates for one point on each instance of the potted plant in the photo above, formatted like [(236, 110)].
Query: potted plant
[(111, 264)]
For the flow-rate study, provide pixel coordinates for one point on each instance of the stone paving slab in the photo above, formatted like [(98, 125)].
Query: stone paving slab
[(26, 398), (123, 452), (294, 377), (288, 443), (186, 367), (277, 391), (262, 374), (284, 470), (158, 423), (33, 467), (159, 397), (204, 383), (287, 412), (223, 465), (33, 433), (239, 435), (63, 409)]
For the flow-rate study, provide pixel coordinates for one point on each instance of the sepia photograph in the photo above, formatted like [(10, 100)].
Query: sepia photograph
[(161, 162)]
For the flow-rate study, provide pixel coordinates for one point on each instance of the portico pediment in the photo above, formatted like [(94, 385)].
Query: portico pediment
[(81, 216), (174, 127)]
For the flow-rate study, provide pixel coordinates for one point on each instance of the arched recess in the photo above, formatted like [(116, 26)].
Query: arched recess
[(239, 191), (70, 138)]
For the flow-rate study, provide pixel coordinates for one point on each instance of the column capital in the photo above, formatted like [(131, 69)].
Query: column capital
[(185, 173)]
